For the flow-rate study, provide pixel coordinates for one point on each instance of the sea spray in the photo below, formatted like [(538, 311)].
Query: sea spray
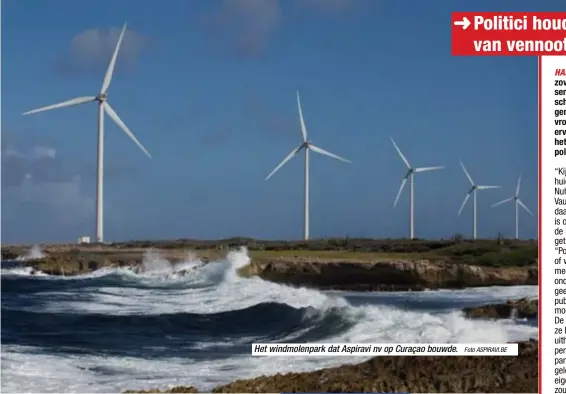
[(33, 253), (153, 262), (514, 313), (155, 265), (237, 259), (170, 314)]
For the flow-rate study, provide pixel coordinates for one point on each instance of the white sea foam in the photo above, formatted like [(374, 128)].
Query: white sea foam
[(33, 253), (215, 287)]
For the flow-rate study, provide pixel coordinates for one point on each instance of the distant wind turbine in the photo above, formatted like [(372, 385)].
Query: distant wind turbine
[(410, 175), (474, 189), (306, 146), (517, 203), (103, 107)]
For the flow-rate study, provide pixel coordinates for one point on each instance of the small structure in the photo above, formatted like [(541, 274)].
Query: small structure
[(83, 240)]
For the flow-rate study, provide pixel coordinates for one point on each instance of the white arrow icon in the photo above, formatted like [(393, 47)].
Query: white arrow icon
[(465, 23)]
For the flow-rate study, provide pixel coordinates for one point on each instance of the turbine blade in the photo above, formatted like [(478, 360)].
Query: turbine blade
[(303, 127), (68, 103), (518, 186), (326, 153), (423, 169), (502, 202), (285, 160), (464, 203), (400, 153), (487, 187), (110, 71), (525, 207), (400, 191), (110, 111), (467, 174)]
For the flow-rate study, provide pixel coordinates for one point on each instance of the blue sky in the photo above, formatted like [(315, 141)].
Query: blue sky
[(209, 88)]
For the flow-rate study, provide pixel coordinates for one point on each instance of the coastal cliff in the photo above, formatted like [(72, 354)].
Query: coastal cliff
[(341, 264), (395, 275)]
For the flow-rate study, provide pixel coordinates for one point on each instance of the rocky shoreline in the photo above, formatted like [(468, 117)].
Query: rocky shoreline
[(393, 275), (515, 309), (357, 266), (324, 274), (352, 265), (425, 374)]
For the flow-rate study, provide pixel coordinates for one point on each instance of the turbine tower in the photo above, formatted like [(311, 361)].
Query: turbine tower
[(474, 190), (518, 203), (305, 146), (410, 175), (103, 107)]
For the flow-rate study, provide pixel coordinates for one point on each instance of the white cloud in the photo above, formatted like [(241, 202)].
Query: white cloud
[(34, 176), (65, 198), (91, 50), (36, 152)]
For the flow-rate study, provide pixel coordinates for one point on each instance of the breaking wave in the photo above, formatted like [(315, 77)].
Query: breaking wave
[(193, 323), (34, 253)]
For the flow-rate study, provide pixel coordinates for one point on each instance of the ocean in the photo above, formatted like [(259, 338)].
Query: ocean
[(115, 329)]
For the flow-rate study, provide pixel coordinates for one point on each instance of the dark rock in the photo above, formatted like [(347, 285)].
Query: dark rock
[(405, 373), (411, 374), (393, 275), (340, 264), (521, 309)]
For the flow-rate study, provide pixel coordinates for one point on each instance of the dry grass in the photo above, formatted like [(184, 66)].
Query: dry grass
[(480, 252), (332, 255)]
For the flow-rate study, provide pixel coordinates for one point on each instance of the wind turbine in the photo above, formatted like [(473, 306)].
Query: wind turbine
[(410, 175), (474, 190), (517, 203), (103, 107), (305, 146)]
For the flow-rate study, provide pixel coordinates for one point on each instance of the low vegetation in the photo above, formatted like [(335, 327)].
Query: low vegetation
[(494, 253)]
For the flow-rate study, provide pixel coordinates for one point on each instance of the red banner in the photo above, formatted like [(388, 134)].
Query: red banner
[(508, 33)]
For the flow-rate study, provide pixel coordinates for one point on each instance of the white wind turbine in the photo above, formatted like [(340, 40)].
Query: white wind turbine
[(517, 203), (306, 146), (410, 175), (103, 107), (474, 190)]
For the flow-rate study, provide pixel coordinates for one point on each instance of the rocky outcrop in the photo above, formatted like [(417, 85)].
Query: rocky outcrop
[(81, 262), (388, 275), (345, 274), (340, 264), (405, 374), (520, 309), (68, 265)]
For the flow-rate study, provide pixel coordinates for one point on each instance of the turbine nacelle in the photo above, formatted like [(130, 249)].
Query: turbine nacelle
[(305, 145), (101, 97), (473, 190), (410, 170), (516, 199), (104, 107)]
